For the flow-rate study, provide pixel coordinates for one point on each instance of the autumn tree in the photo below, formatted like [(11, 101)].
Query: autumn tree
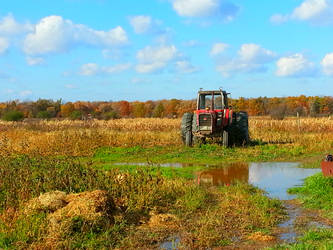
[(67, 109), (124, 108), (138, 109), (159, 110)]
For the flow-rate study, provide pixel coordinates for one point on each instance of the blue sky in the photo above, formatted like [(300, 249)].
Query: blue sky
[(161, 49)]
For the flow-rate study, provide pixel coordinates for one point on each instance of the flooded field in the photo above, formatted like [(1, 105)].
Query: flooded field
[(275, 178)]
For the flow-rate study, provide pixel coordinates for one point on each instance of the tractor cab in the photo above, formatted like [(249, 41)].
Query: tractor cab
[(213, 113), (212, 100)]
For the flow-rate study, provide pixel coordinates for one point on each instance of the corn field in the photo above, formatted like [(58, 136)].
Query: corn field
[(82, 138)]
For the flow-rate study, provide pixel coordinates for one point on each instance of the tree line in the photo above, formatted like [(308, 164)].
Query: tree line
[(276, 107)]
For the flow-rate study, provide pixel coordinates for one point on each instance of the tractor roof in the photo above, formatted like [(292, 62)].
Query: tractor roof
[(209, 92)]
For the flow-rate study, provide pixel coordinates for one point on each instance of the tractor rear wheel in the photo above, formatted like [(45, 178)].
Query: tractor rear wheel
[(240, 128), (186, 129)]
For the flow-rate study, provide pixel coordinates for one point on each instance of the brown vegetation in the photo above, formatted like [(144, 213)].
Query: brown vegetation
[(82, 138)]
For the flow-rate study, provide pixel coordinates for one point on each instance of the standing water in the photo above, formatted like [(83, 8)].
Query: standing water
[(273, 177)]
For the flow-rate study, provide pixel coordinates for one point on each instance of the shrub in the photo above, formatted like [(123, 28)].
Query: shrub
[(110, 115), (76, 115), (43, 115), (12, 116)]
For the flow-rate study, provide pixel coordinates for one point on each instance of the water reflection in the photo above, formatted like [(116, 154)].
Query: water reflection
[(273, 177), (224, 176)]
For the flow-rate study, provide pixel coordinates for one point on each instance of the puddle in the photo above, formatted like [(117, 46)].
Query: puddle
[(288, 233), (170, 244), (273, 177)]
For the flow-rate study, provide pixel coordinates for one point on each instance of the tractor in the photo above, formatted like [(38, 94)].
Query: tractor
[(214, 118)]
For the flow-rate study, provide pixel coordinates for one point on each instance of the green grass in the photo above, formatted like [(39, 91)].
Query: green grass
[(316, 193), (204, 154), (321, 239), (169, 172)]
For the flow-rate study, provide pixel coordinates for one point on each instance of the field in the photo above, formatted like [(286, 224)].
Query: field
[(150, 203)]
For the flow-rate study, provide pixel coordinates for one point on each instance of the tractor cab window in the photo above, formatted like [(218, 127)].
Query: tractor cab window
[(205, 101), (218, 101)]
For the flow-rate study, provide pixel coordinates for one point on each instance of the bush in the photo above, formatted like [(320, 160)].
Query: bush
[(43, 115), (76, 115), (13, 116), (110, 115)]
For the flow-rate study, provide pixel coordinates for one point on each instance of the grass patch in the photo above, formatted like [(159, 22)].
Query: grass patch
[(205, 154), (321, 239), (317, 193)]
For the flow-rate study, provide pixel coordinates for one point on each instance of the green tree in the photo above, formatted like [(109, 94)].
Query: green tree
[(13, 115)]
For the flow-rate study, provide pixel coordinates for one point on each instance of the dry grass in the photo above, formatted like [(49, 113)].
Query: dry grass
[(82, 138)]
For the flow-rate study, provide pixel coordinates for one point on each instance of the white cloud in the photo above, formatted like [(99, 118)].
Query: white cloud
[(4, 45), (295, 65), (141, 24), (205, 8), (255, 54), (10, 27), (185, 67), (91, 69), (152, 59), (251, 58), (55, 34), (218, 48), (310, 9), (318, 12), (35, 60), (327, 64)]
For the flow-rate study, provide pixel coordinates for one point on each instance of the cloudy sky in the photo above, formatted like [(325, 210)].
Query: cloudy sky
[(156, 49)]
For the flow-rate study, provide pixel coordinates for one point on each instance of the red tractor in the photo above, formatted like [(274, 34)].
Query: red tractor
[(214, 118)]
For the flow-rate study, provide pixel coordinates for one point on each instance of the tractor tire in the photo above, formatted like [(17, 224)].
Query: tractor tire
[(186, 129), (188, 139), (196, 140), (240, 128), (225, 138)]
